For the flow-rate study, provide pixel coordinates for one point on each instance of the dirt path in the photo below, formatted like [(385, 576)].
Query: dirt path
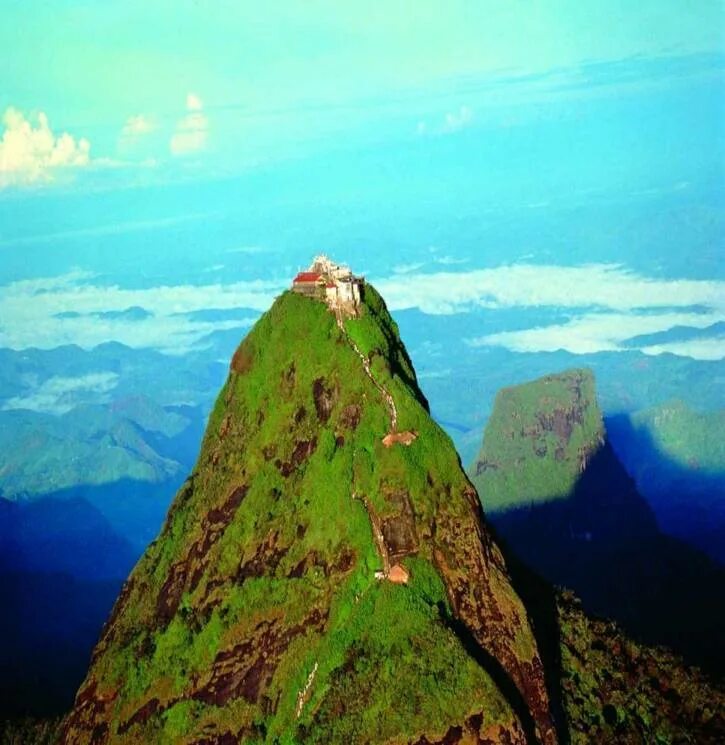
[(377, 534), (387, 397), (303, 695)]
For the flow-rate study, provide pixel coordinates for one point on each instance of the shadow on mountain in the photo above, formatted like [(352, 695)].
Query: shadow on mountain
[(49, 625), (603, 542), (539, 599), (495, 670), (133, 509), (62, 565), (686, 499)]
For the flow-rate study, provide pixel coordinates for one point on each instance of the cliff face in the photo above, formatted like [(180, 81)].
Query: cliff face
[(538, 440), (312, 582)]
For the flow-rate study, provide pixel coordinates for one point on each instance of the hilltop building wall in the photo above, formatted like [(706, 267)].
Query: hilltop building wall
[(335, 284)]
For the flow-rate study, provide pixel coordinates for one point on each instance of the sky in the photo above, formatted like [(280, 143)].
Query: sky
[(549, 175), (144, 82)]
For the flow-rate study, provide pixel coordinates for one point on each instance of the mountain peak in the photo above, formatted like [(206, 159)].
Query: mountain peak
[(562, 501), (539, 439), (325, 573)]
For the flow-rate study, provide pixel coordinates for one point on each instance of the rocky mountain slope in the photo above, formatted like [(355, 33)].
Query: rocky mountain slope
[(325, 575), (274, 607), (539, 439), (558, 495)]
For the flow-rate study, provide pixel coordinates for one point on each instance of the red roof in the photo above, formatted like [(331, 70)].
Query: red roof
[(308, 277)]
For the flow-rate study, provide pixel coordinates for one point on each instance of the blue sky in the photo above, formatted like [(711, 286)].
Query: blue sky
[(186, 158), (144, 81)]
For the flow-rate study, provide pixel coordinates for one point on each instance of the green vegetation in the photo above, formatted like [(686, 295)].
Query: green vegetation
[(403, 672), (615, 690), (685, 436), (537, 440), (257, 614), (264, 573)]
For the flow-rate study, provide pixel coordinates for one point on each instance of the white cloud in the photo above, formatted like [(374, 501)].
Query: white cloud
[(608, 286), (192, 130), (458, 119), (31, 153), (248, 250), (699, 349), (29, 312), (193, 102), (607, 306), (452, 122), (58, 395), (606, 332), (407, 268), (449, 260), (137, 126), (609, 303)]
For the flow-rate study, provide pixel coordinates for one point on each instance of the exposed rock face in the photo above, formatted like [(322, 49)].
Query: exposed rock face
[(256, 615)]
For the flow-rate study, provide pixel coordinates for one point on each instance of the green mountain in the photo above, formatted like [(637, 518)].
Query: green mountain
[(258, 608), (538, 440), (562, 501), (325, 575), (45, 453), (686, 435)]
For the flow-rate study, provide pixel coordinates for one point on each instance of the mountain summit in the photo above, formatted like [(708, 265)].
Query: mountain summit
[(324, 575)]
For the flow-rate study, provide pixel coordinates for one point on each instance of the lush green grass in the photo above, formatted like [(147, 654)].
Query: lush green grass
[(403, 671)]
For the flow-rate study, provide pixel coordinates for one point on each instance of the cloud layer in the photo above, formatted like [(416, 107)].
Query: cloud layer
[(606, 307), (608, 332), (608, 304), (530, 285), (192, 130), (58, 395), (138, 125), (31, 153), (73, 309)]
